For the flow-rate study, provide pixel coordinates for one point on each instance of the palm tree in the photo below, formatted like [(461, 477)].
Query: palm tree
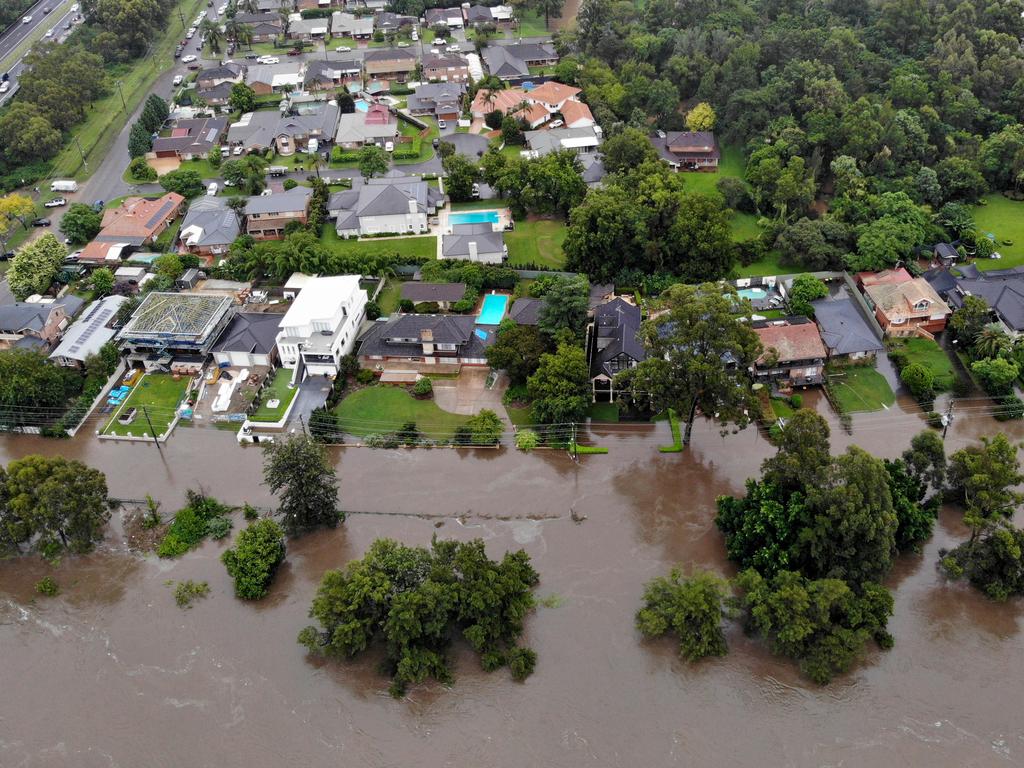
[(248, 6), (237, 204), (286, 19), (232, 29), (991, 341), (211, 31), (244, 36)]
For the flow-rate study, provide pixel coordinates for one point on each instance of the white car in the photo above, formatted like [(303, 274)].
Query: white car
[(212, 189), (343, 49), (268, 60), (452, 48), (555, 124), (237, 151), (435, 50), (74, 8), (403, 44), (27, 20), (441, 124), (389, 146), (49, 34), (439, 41), (178, 80), (189, 35), (57, 202), (188, 59), (4, 86)]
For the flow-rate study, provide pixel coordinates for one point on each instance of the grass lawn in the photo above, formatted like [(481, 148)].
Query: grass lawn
[(388, 298), (730, 164), (384, 408), (1004, 218), (861, 389), (422, 247), (770, 265), (168, 236), (105, 117), (781, 408), (202, 167), (536, 242), (522, 417), (743, 226), (932, 356), (426, 145), (277, 390), (480, 205), (160, 393), (531, 24), (604, 412)]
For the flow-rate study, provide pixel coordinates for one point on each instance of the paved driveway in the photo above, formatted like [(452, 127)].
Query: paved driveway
[(470, 145), (468, 394)]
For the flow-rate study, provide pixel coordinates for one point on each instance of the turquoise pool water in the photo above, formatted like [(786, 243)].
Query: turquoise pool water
[(474, 217), (753, 293), (493, 309), (362, 106)]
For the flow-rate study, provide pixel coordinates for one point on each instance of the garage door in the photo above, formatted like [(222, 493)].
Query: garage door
[(239, 359)]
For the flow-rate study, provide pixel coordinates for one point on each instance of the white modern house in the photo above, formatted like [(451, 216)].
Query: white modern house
[(320, 326)]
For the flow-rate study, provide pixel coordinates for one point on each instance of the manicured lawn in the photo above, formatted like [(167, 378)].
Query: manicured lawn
[(384, 408), (277, 390), (770, 265), (531, 24), (604, 412), (388, 298), (161, 394), (932, 356), (536, 242), (106, 116), (781, 408), (730, 164), (743, 226), (417, 247), (522, 417), (202, 167), (861, 389), (426, 145), (1004, 218)]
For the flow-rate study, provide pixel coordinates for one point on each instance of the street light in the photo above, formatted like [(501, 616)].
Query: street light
[(119, 93)]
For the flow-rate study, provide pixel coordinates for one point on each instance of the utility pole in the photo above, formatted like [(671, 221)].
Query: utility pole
[(947, 419), (124, 107), (81, 152), (575, 449), (182, 17), (145, 412)]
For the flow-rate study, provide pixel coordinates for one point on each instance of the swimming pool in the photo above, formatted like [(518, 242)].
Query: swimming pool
[(492, 310), (753, 293), (362, 106), (474, 217)]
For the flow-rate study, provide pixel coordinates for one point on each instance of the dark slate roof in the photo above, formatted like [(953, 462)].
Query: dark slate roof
[(940, 279), (259, 18), (21, 316), (386, 337), (1002, 289), (253, 332), (479, 13), (429, 95), (946, 251), (503, 63), (619, 321), (526, 311), (388, 54), (456, 245), (598, 291), (417, 292), (843, 328), (219, 92)]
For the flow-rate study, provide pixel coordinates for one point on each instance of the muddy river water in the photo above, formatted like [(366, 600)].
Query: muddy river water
[(112, 673)]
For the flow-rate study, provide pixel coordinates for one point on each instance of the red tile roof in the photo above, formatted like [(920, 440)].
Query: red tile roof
[(791, 342)]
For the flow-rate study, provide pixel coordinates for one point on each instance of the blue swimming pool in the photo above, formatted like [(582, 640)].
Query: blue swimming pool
[(474, 217), (493, 309), (753, 293), (362, 106)]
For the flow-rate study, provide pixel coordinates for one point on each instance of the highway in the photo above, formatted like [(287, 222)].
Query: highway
[(57, 18)]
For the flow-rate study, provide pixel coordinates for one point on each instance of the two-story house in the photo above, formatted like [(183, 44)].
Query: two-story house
[(36, 324), (266, 216), (263, 27), (320, 326), (793, 355), (614, 345), (425, 339), (904, 305), (442, 100), (209, 228), (446, 67), (688, 150), (389, 64)]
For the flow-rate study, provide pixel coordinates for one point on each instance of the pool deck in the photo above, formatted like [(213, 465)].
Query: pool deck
[(483, 305), (504, 218)]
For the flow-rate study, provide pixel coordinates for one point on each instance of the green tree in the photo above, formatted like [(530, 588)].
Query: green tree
[(255, 558), (248, 174), (35, 266), (26, 134), (548, 8), (102, 281), (485, 428), (697, 358), (296, 469), (701, 117), (140, 140), (994, 563), (919, 380), (991, 341), (14, 207), (169, 265), (242, 98), (692, 609), (968, 321), (373, 161), (154, 113), (983, 478), (804, 451), (805, 289), (914, 517), (565, 306), (997, 375), (186, 183), (822, 624), (413, 600), (210, 29), (926, 460), (81, 223), (560, 388), (517, 350), (627, 149), (140, 170), (460, 173)]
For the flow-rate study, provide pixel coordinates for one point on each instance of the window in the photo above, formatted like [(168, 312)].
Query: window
[(445, 347), (922, 305)]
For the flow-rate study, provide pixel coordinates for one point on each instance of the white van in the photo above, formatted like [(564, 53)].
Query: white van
[(312, 146), (64, 185), (212, 189)]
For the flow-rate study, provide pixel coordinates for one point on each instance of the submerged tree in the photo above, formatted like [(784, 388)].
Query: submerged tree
[(690, 608), (297, 470)]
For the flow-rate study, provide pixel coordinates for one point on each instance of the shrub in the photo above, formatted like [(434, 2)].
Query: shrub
[(193, 524), (365, 376), (406, 305), (140, 170), (249, 512), (427, 308), (423, 388), (962, 386), (1010, 408), (933, 419), (373, 310), (517, 393), (409, 435), (290, 184), (526, 440), (796, 402), (188, 591), (48, 586), (463, 305), (521, 662), (918, 379), (255, 558), (218, 527)]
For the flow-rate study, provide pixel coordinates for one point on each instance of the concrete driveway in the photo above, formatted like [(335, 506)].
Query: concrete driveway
[(469, 145), (468, 394)]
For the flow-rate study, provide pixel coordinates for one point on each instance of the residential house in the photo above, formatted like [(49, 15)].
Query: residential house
[(441, 100), (794, 355), (390, 205), (945, 254), (389, 64), (333, 73), (506, 101), (285, 134), (905, 305), (285, 77), (320, 326), (174, 330), (217, 96), (349, 25), (308, 29), (190, 139), (526, 311), (248, 341), (87, 335), (614, 345), (134, 223), (448, 17), (378, 125), (475, 15), (1002, 290), (386, 21), (36, 324), (225, 73), (266, 216), (593, 170), (688, 150), (425, 339), (847, 333), (510, 62), (579, 140), (474, 242), (442, 294), (553, 95), (502, 15), (447, 67), (209, 228), (263, 27), (576, 114)]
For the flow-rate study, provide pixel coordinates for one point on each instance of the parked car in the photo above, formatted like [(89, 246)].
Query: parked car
[(178, 80), (452, 48), (295, 52), (41, 223), (389, 146), (343, 49), (268, 60), (212, 189), (439, 41), (6, 255), (5, 86), (403, 44), (237, 151), (556, 124), (225, 151), (187, 59), (441, 124), (98, 205), (57, 202), (72, 258), (49, 34), (194, 65), (436, 142)]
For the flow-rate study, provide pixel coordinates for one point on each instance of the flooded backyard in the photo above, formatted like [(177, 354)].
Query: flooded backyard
[(112, 673)]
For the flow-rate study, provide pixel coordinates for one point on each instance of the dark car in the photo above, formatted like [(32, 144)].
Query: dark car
[(5, 255), (98, 205), (46, 10), (436, 142), (252, 56), (295, 52), (41, 223)]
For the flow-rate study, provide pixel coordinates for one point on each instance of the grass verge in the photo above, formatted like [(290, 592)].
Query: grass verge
[(677, 436), (861, 389), (382, 408)]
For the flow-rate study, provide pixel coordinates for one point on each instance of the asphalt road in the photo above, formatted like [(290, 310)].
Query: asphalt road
[(21, 31)]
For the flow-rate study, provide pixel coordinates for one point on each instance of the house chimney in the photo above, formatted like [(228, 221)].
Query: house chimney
[(412, 206), (473, 253), (427, 338)]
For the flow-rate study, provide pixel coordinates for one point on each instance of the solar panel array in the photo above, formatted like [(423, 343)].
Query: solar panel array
[(97, 320)]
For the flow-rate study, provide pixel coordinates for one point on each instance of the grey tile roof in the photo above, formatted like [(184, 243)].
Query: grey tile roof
[(619, 321), (526, 311), (253, 332), (429, 95), (552, 140), (22, 316), (478, 13), (449, 292), (386, 338), (501, 62), (293, 200), (456, 245), (388, 54), (1002, 289), (208, 222), (843, 328)]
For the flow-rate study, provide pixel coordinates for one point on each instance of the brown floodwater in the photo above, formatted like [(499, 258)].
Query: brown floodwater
[(112, 673)]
